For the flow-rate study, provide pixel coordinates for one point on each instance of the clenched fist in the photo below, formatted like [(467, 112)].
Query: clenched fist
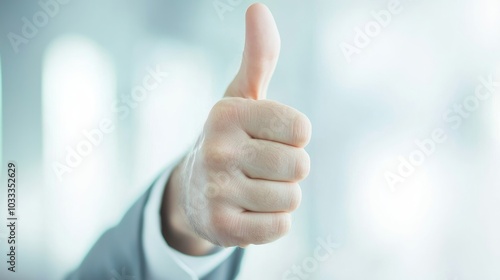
[(239, 183)]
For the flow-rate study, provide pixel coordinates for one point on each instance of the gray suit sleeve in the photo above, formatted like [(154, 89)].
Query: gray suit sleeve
[(118, 254)]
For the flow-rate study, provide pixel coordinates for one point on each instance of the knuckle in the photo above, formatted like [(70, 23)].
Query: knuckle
[(218, 155), (301, 130), (302, 165), (221, 180)]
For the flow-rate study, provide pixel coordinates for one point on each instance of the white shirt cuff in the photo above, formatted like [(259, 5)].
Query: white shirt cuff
[(162, 261)]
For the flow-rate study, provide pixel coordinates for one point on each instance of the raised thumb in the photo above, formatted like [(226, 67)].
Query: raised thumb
[(262, 48)]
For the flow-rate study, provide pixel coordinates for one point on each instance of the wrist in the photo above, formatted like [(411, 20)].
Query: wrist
[(175, 226)]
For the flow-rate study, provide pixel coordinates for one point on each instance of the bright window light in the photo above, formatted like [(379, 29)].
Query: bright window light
[(78, 88)]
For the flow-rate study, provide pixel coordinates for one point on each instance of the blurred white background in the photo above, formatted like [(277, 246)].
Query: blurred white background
[(441, 223)]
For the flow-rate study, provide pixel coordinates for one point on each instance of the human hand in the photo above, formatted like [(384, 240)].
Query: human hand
[(239, 183)]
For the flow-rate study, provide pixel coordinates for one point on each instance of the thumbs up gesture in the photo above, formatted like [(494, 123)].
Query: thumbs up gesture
[(239, 183)]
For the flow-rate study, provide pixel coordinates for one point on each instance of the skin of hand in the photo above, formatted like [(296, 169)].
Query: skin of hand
[(239, 183)]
